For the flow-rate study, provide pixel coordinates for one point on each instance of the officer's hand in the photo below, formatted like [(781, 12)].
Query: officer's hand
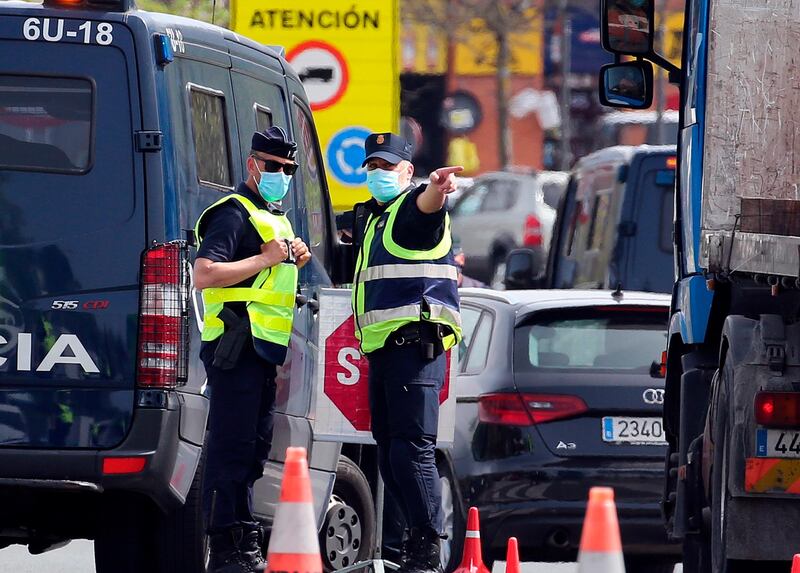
[(443, 179), (301, 253), (273, 253)]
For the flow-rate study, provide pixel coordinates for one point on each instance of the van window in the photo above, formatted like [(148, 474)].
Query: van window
[(599, 221), (210, 129), (313, 188), (263, 117), (45, 123)]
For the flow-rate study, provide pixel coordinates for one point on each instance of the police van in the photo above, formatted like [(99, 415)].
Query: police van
[(118, 127)]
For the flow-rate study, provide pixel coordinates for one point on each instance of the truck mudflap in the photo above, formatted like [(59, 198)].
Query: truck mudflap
[(772, 475)]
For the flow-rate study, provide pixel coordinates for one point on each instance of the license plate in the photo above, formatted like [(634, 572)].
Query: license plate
[(621, 430), (777, 443)]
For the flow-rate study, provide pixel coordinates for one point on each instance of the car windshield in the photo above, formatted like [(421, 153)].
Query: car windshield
[(614, 338)]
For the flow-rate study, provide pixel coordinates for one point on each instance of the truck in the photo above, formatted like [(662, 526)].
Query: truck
[(732, 399)]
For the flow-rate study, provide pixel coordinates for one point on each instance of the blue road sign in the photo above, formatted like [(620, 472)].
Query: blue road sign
[(345, 155)]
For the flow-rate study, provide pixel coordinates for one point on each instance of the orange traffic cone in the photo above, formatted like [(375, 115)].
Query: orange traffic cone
[(796, 564), (472, 562), (293, 543), (512, 556), (601, 548)]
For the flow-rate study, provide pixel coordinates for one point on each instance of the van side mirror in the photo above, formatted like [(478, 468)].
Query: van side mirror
[(629, 85), (628, 26), (523, 270)]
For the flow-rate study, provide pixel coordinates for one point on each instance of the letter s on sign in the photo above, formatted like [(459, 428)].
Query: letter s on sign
[(351, 377)]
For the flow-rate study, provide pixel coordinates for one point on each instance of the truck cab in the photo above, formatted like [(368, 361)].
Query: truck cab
[(118, 127)]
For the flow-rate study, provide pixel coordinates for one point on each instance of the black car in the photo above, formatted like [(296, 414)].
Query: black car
[(559, 391)]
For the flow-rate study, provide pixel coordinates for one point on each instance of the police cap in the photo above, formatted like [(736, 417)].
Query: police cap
[(274, 141), (388, 146)]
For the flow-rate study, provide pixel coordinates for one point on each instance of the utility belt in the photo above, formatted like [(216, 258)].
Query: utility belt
[(428, 335), (232, 341)]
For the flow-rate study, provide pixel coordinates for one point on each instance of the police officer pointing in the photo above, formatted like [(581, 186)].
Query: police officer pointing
[(406, 308), (246, 266)]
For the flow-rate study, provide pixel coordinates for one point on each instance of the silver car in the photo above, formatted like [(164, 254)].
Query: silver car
[(501, 212)]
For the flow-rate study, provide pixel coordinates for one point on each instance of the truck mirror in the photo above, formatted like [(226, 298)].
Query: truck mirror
[(523, 270), (629, 84), (627, 26)]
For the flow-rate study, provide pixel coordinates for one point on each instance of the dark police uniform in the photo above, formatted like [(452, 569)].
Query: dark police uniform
[(242, 396), (407, 368)]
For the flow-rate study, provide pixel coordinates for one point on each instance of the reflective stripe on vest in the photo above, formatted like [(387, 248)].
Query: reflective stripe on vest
[(270, 299), (395, 286)]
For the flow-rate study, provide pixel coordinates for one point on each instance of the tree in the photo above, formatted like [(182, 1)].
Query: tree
[(197, 9), (502, 20)]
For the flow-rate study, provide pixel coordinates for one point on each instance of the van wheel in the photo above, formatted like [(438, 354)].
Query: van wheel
[(125, 542), (348, 531), (181, 541), (452, 517)]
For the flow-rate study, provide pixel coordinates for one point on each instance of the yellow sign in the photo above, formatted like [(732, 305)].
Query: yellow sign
[(424, 50), (476, 50), (345, 53)]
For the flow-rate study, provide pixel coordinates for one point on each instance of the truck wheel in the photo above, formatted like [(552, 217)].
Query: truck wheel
[(719, 482), (125, 538), (181, 542), (348, 531), (452, 517)]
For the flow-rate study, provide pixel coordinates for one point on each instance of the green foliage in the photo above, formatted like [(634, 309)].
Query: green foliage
[(197, 9)]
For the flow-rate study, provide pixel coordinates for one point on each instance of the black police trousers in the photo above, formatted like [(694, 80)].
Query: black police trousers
[(239, 437), (404, 391)]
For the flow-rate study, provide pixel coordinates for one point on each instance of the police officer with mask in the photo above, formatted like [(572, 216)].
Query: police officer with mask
[(246, 266), (406, 308)]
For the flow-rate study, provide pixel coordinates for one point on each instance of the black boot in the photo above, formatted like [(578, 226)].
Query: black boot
[(423, 556), (227, 555), (252, 547)]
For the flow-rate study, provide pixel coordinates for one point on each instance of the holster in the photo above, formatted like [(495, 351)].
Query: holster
[(229, 347), (426, 334)]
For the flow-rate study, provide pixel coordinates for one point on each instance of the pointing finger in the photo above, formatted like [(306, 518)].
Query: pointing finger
[(445, 171)]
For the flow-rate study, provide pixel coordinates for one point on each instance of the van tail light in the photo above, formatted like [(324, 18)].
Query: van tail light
[(512, 409), (778, 409), (532, 233), (163, 350)]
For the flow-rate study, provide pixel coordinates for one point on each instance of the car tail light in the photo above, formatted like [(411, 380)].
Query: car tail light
[(512, 409), (116, 466), (532, 233), (163, 349), (778, 409)]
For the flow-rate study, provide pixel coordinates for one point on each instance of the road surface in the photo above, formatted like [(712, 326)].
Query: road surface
[(77, 557)]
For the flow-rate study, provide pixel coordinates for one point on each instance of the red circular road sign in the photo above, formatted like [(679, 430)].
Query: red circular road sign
[(346, 376), (323, 71)]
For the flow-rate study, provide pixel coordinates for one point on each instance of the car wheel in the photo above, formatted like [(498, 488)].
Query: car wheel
[(348, 531), (124, 542), (453, 520), (181, 542)]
